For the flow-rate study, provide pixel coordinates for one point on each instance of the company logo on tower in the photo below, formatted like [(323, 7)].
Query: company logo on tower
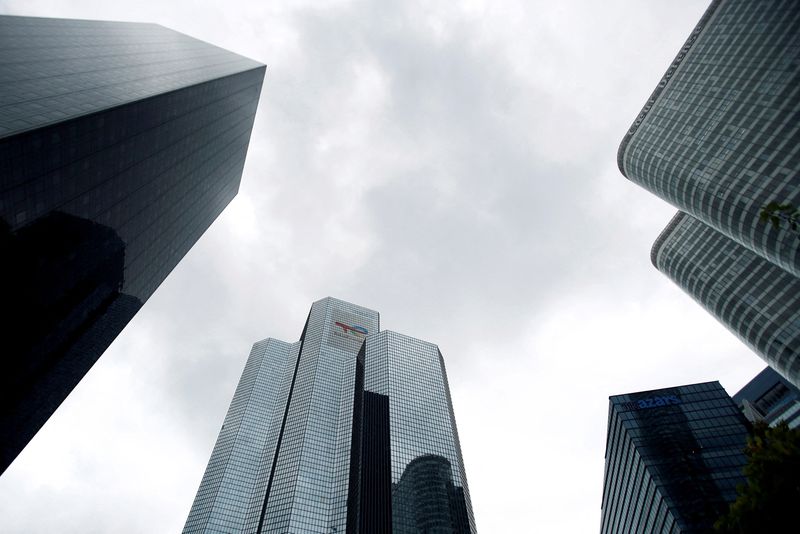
[(347, 331), (358, 331)]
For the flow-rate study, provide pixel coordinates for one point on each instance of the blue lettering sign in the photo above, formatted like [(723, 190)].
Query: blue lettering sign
[(655, 402)]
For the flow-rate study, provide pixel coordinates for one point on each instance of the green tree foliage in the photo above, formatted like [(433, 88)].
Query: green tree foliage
[(781, 215), (769, 500)]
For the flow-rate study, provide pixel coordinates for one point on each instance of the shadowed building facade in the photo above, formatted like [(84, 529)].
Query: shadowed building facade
[(120, 143), (718, 139), (674, 457), (350, 429)]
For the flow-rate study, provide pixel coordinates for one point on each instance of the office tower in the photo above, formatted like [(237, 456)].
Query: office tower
[(770, 398), (755, 299), (350, 429), (120, 143), (674, 457), (718, 139)]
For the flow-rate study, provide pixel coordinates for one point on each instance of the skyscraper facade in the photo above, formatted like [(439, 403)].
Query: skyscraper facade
[(718, 139), (757, 300), (674, 457), (770, 398), (120, 143), (350, 429)]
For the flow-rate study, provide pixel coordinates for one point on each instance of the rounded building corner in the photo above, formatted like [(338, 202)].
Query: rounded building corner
[(665, 79), (663, 236), (623, 145)]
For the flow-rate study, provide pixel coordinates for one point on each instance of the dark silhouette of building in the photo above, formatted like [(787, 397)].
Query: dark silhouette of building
[(718, 140), (120, 143), (351, 429), (674, 457)]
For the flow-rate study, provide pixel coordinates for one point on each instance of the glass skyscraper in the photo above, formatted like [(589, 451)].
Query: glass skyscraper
[(350, 429), (718, 139), (674, 457), (120, 143), (757, 300)]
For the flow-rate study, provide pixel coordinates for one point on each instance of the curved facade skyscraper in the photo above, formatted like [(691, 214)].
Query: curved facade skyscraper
[(350, 430), (757, 300), (120, 143), (719, 139)]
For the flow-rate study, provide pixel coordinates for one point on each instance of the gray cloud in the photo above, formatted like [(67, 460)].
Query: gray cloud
[(452, 166)]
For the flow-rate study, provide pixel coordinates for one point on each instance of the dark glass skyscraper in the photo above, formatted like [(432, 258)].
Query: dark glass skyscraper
[(350, 429), (674, 457), (120, 143), (718, 139)]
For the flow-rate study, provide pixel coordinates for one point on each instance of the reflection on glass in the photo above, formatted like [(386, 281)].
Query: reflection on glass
[(345, 433), (673, 459), (410, 475), (120, 143), (425, 500), (682, 473), (62, 307)]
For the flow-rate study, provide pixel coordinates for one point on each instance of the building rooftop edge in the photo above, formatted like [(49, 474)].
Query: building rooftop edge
[(257, 63), (687, 45), (79, 19), (396, 333), (268, 339), (612, 397), (330, 298)]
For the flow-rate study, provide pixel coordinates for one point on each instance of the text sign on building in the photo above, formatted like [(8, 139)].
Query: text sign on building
[(650, 402), (654, 402)]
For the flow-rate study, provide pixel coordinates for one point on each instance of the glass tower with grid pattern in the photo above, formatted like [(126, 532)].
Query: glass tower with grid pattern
[(674, 457), (350, 430), (757, 300), (120, 143), (718, 139)]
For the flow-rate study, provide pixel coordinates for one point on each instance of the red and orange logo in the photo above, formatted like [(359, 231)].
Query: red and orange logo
[(359, 331)]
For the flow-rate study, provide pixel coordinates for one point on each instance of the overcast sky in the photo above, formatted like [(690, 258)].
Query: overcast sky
[(451, 166)]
